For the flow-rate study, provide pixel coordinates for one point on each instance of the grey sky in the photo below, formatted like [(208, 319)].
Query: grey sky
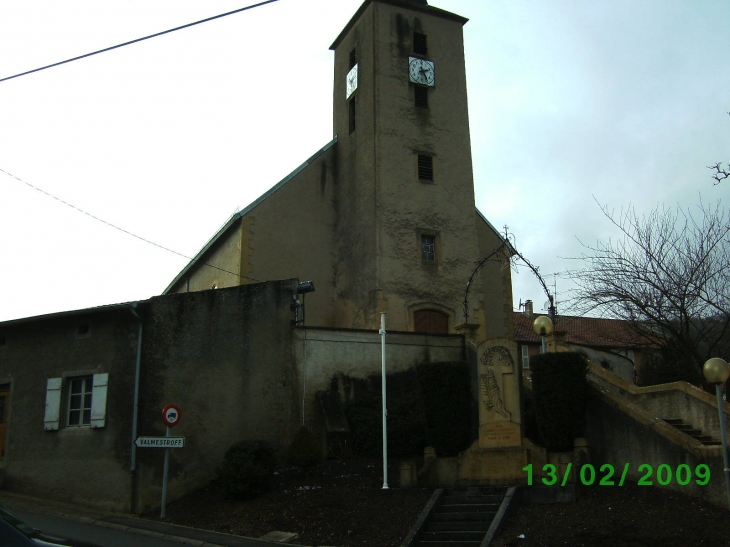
[(624, 101)]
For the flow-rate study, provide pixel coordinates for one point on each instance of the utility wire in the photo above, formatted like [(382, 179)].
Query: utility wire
[(121, 229), (137, 40)]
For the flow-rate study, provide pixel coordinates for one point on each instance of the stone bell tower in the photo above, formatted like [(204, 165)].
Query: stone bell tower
[(406, 232)]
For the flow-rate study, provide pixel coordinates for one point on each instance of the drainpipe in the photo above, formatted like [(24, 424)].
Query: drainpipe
[(133, 465)]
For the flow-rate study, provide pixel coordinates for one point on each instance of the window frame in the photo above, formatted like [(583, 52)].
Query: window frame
[(525, 357), (87, 390), (434, 243), (58, 401)]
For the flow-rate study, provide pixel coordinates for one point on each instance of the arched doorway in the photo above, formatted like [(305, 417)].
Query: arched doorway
[(430, 321)]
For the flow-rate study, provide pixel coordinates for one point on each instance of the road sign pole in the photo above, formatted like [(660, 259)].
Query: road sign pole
[(164, 477)]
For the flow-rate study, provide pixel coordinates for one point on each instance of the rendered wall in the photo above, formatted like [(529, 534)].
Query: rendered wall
[(225, 357), (619, 432), (323, 354), (58, 464), (287, 234), (494, 303)]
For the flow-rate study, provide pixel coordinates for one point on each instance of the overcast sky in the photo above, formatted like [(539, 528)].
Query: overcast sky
[(619, 102)]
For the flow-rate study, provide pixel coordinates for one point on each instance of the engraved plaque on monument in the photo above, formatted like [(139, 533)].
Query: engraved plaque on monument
[(499, 394)]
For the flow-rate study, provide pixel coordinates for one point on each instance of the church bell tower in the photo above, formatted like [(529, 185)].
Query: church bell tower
[(406, 235)]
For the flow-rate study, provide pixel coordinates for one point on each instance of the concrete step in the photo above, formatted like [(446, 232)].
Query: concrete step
[(472, 526), (692, 431), (439, 543), (453, 535), (469, 500), (463, 516)]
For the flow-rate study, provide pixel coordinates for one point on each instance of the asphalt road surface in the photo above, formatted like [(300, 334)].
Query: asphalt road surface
[(72, 529)]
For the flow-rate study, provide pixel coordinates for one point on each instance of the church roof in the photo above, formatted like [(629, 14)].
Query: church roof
[(415, 5), (234, 218)]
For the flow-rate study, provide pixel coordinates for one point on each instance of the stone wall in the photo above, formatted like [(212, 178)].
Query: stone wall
[(323, 354), (625, 426), (225, 358)]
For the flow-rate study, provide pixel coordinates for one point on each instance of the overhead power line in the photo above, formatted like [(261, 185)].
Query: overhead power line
[(137, 40), (122, 229)]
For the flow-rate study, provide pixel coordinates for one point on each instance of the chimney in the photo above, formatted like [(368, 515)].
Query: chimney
[(528, 308)]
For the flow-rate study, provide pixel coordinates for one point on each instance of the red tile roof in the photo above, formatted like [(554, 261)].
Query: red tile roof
[(586, 331)]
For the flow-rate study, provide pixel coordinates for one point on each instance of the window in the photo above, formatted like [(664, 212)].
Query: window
[(420, 43), (352, 114), (425, 167), (430, 321), (525, 357), (421, 96), (79, 401), (428, 247), (85, 398), (353, 58)]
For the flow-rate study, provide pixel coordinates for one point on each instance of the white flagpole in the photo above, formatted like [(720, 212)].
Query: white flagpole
[(385, 411)]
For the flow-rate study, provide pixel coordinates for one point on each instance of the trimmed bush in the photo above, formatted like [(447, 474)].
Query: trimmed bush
[(430, 405), (304, 450), (406, 430), (248, 469), (446, 400), (560, 389)]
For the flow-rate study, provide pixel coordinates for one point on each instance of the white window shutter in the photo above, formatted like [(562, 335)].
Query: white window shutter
[(53, 404), (98, 400)]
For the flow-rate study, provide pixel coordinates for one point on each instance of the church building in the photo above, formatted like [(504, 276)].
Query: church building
[(382, 218)]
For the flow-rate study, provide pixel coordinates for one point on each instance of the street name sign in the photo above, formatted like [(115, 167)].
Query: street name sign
[(160, 442)]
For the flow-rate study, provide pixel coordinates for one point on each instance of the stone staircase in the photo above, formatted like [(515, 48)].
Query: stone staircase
[(692, 431), (461, 518)]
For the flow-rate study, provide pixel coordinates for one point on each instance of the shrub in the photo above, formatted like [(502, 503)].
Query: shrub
[(560, 389), (446, 399), (248, 469), (304, 450), (406, 430)]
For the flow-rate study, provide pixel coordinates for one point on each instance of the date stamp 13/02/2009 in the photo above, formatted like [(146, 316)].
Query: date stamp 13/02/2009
[(588, 475)]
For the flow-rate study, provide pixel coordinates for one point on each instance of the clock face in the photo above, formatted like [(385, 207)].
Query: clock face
[(421, 71), (351, 81)]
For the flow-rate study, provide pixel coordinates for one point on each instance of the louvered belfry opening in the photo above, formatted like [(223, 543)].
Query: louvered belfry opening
[(421, 96), (420, 43), (431, 322), (425, 167), (352, 113)]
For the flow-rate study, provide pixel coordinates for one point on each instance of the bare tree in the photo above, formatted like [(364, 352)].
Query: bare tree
[(669, 274), (720, 173)]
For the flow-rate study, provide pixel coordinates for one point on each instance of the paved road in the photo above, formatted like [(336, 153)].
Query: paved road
[(105, 537)]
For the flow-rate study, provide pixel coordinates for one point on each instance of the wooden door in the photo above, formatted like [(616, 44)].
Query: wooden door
[(431, 321)]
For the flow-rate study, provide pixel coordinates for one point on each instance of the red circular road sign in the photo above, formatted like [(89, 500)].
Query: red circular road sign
[(171, 415)]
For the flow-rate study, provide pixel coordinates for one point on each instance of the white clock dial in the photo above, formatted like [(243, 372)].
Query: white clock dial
[(351, 81), (421, 71)]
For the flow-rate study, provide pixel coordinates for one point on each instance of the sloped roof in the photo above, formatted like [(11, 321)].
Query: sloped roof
[(249, 208), (585, 331), (232, 220)]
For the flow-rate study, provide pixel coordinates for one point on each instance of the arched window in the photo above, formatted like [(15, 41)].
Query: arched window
[(430, 321)]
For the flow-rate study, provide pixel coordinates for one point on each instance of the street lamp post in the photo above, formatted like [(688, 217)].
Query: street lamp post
[(543, 326), (716, 371)]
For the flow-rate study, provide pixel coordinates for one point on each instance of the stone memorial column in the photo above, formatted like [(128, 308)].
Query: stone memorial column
[(500, 420)]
